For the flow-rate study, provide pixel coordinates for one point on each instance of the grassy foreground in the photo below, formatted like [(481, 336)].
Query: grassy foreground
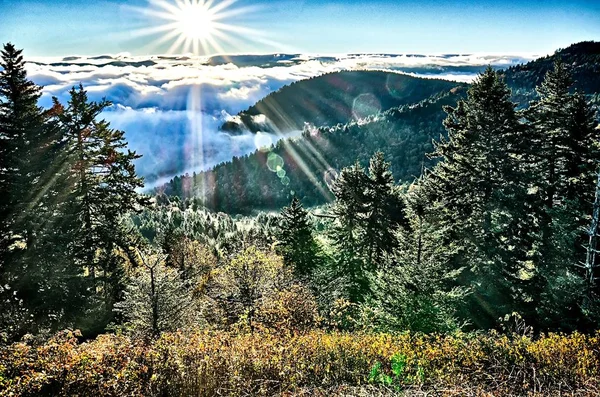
[(315, 363)]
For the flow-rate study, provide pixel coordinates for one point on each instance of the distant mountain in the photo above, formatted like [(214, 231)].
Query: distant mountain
[(117, 63), (583, 58), (305, 165), (334, 98), (262, 61)]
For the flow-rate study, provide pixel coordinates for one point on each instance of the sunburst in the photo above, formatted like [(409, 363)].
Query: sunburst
[(197, 26)]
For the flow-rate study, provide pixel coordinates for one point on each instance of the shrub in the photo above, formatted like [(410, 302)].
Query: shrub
[(265, 363)]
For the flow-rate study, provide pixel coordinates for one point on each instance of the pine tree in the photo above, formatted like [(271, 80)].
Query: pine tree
[(101, 184), (384, 210), (480, 193), (21, 122), (351, 268), (369, 211), (583, 154), (416, 290), (550, 118), (564, 153), (25, 155), (297, 244)]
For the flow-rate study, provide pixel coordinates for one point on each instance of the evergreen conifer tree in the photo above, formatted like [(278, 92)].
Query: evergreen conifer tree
[(480, 192), (564, 154), (416, 290), (369, 210), (25, 156), (296, 241), (101, 183)]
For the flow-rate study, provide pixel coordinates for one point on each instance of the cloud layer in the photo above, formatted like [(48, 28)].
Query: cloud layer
[(171, 107)]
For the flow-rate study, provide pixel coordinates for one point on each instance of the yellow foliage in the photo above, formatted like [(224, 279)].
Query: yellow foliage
[(206, 363)]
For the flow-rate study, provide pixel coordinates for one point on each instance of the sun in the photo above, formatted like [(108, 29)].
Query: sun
[(196, 21), (201, 27)]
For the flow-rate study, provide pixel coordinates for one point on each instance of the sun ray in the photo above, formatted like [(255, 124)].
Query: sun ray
[(191, 25), (202, 23)]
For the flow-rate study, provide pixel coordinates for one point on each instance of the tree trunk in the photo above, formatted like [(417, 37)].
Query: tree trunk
[(590, 262)]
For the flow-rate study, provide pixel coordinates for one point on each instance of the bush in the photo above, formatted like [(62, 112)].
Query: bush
[(263, 363)]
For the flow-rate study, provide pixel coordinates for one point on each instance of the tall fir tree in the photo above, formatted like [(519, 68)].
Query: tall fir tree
[(102, 185), (383, 212), (564, 154), (417, 288), (297, 244), (368, 210), (351, 269), (24, 157), (480, 191)]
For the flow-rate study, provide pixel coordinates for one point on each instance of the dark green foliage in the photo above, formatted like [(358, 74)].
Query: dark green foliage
[(69, 180), (101, 191), (368, 210), (25, 149), (480, 187), (297, 244), (584, 58), (563, 149), (335, 98), (416, 289), (312, 162)]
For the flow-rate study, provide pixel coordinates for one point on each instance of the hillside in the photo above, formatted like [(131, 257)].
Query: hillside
[(582, 58), (405, 133), (305, 165), (334, 98)]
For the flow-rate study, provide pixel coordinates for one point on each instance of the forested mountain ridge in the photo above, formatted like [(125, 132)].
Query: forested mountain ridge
[(306, 165), (404, 133), (389, 285), (582, 58), (334, 98)]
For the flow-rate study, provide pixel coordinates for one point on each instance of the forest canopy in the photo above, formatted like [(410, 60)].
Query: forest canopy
[(466, 218)]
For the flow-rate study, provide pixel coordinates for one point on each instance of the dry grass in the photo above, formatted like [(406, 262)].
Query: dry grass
[(313, 364)]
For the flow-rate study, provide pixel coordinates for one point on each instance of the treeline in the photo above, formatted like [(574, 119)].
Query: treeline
[(405, 135), (583, 59), (498, 233), (306, 166), (67, 180), (334, 98)]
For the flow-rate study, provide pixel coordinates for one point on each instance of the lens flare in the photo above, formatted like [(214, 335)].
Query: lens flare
[(365, 105), (274, 162), (263, 141), (200, 27)]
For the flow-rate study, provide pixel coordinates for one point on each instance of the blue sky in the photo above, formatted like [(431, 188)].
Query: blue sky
[(84, 27)]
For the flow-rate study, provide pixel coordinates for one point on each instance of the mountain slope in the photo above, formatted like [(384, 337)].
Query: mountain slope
[(305, 165), (334, 98), (583, 58)]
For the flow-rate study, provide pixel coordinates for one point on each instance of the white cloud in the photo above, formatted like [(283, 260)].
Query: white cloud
[(171, 107)]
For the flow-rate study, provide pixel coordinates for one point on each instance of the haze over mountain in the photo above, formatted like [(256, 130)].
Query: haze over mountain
[(171, 106), (304, 166), (334, 98)]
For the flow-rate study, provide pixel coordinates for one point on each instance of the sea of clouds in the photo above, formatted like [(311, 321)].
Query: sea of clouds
[(171, 107)]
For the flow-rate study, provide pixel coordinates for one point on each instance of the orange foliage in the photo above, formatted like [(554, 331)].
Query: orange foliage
[(218, 363)]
